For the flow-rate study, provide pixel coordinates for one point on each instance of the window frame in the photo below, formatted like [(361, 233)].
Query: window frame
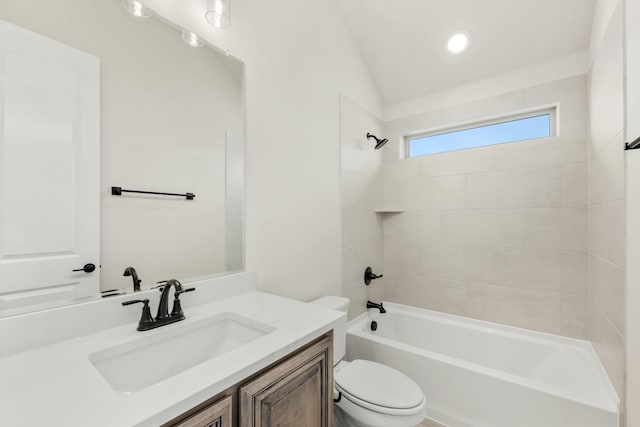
[(551, 110)]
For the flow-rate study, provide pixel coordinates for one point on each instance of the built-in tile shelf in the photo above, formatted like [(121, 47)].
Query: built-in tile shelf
[(388, 210)]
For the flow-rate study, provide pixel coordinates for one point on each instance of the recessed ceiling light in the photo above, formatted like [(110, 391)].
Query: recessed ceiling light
[(458, 42)]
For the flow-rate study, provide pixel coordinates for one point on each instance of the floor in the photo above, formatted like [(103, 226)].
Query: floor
[(428, 423)]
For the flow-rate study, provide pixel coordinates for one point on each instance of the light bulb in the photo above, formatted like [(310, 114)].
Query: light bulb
[(218, 13), (137, 9), (458, 43), (192, 39)]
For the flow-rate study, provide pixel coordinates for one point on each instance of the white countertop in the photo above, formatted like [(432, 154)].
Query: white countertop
[(58, 385)]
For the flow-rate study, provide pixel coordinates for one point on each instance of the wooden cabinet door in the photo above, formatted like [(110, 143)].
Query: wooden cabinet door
[(295, 393), (219, 414)]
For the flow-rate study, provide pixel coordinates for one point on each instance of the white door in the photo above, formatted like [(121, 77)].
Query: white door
[(633, 215), (49, 169)]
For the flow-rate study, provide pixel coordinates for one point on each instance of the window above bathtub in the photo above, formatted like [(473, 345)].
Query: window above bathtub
[(539, 123)]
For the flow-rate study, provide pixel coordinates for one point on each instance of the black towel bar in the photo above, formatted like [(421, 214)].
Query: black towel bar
[(117, 191)]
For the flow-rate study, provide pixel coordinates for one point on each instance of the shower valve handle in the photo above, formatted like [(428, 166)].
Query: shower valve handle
[(369, 275)]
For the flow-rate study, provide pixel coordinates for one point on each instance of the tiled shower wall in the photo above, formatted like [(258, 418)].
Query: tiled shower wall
[(496, 233), (361, 192), (607, 201)]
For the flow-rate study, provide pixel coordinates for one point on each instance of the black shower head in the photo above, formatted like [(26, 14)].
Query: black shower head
[(379, 142)]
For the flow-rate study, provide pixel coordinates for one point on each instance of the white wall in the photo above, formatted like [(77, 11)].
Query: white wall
[(299, 55), (509, 81)]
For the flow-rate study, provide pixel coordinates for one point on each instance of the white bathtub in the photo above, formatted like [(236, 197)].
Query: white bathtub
[(481, 374)]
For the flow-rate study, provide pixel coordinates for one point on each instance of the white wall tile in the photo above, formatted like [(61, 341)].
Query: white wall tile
[(574, 316), (529, 309), (457, 262), (489, 302), (402, 169), (606, 173), (433, 294), (606, 87), (356, 259), (396, 193), (609, 346), (447, 192), (361, 227), (545, 270), (357, 295), (575, 185), (382, 289), (403, 255), (501, 227), (607, 231), (413, 226), (555, 150), (606, 289), (577, 129), (360, 191), (457, 162), (537, 310), (356, 152), (522, 188), (564, 229)]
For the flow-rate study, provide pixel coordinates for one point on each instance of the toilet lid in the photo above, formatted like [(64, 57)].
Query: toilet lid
[(378, 385)]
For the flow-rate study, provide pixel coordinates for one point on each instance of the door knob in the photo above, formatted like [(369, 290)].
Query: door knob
[(88, 268)]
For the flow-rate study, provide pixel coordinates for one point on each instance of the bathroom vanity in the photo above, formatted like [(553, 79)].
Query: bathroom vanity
[(295, 391), (240, 358)]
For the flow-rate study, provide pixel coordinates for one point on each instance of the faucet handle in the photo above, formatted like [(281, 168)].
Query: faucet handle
[(177, 308), (369, 275), (136, 301), (177, 294), (146, 317)]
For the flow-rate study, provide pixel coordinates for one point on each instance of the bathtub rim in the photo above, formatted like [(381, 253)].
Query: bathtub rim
[(357, 327)]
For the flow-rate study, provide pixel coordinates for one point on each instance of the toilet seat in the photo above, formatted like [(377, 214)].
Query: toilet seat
[(378, 388)]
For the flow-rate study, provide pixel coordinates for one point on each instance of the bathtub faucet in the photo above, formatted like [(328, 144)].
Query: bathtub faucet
[(378, 306)]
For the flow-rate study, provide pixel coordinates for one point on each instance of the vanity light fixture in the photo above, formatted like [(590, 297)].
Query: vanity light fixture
[(137, 9), (458, 42), (192, 39), (218, 13)]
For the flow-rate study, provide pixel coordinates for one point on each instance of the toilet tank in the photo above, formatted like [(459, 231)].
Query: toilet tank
[(340, 331)]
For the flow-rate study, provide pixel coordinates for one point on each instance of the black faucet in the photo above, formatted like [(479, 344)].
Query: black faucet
[(378, 306), (130, 271), (163, 317), (163, 307)]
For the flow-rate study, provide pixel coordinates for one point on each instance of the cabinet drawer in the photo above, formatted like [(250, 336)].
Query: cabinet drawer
[(218, 414)]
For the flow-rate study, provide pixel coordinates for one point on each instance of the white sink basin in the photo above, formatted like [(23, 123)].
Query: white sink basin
[(172, 349)]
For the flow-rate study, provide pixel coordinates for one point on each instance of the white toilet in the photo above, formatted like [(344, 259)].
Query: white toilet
[(371, 394)]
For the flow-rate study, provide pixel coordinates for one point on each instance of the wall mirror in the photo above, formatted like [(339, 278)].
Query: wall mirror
[(92, 97)]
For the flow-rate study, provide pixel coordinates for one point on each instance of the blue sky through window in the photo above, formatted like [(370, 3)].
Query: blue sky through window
[(498, 133)]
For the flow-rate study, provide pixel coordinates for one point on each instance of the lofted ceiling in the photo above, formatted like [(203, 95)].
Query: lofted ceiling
[(404, 41)]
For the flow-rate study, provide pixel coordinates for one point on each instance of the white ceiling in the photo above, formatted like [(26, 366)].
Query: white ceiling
[(404, 41)]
